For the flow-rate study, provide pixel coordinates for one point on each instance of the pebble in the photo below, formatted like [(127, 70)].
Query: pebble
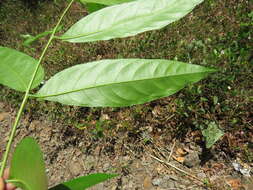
[(157, 181), (201, 175), (192, 160)]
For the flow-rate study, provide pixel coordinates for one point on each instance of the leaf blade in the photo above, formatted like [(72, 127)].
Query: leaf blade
[(105, 2), (27, 166), (93, 7), (16, 69), (84, 182), (128, 19), (120, 82)]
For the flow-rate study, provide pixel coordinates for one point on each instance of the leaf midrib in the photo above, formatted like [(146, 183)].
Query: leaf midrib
[(115, 83), (115, 24)]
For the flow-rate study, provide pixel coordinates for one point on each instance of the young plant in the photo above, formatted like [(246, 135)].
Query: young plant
[(105, 83)]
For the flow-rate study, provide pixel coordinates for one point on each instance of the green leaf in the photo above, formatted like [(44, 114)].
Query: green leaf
[(93, 7), (128, 19), (212, 134), (105, 2), (84, 182), (122, 82), (16, 69), (27, 166)]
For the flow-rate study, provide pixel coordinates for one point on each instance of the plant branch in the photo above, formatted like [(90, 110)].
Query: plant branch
[(26, 96)]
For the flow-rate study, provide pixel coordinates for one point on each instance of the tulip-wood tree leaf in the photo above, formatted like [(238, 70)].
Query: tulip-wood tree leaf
[(128, 19), (27, 166), (92, 7), (120, 82), (105, 2), (16, 69), (84, 182)]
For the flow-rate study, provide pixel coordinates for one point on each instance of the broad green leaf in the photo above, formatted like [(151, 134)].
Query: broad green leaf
[(122, 82), (16, 69), (105, 2), (84, 182), (27, 166), (92, 7), (212, 134), (128, 19), (95, 5)]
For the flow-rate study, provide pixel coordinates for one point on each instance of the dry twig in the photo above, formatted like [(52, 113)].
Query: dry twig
[(178, 169)]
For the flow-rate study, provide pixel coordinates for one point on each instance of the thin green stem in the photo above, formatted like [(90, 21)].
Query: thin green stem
[(13, 181), (21, 109), (17, 182)]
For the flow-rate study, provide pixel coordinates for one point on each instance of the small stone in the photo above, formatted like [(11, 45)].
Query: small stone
[(244, 170), (157, 181), (236, 166), (201, 175), (192, 160)]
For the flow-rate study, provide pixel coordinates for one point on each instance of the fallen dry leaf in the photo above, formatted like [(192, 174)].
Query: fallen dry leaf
[(179, 159), (147, 184), (181, 152), (235, 184)]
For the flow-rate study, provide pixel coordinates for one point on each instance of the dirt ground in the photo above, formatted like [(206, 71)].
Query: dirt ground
[(159, 145), (70, 153)]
